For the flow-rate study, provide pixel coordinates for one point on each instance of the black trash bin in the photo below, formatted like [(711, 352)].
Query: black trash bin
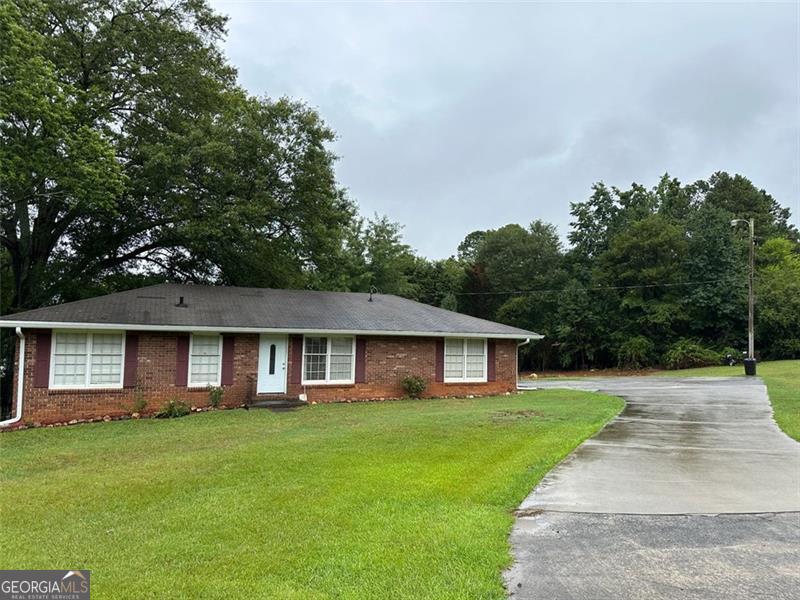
[(750, 366)]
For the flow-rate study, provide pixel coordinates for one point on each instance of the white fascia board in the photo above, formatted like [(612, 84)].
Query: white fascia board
[(197, 328)]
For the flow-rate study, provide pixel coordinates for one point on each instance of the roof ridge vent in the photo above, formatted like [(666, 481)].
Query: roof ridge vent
[(181, 303)]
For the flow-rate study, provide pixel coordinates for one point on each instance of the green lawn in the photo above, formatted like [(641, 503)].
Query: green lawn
[(407, 499), (783, 385)]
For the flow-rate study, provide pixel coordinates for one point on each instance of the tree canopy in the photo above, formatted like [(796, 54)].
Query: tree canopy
[(648, 268), (128, 149)]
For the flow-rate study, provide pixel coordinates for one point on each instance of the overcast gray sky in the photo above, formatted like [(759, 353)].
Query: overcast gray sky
[(455, 117)]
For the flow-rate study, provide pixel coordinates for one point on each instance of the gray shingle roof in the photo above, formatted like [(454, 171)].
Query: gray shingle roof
[(237, 308)]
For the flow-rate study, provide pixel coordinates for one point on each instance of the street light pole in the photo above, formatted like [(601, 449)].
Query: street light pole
[(750, 362)]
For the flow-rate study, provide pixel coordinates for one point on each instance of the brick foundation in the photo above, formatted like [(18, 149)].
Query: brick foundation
[(388, 360)]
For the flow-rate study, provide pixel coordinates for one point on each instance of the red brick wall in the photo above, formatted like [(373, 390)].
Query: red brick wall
[(388, 360), (155, 383)]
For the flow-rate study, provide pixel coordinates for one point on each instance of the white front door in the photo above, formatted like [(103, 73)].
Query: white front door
[(271, 364)]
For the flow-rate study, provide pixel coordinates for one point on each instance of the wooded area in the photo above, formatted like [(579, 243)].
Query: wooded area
[(129, 155)]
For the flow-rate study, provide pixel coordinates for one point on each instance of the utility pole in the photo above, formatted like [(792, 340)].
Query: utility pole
[(750, 297), (750, 361)]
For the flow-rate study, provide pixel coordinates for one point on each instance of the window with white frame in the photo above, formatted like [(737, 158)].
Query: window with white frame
[(205, 360), (328, 359), (465, 359), (86, 359)]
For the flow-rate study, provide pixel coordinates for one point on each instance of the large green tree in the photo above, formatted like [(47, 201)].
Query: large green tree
[(129, 155), (128, 148), (645, 262), (373, 257), (56, 167), (737, 195), (437, 281), (715, 301), (778, 295), (581, 327), (509, 260), (510, 275)]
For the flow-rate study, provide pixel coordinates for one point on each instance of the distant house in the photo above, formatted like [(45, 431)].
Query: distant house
[(98, 356)]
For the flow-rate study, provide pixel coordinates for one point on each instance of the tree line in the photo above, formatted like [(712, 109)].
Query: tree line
[(651, 277), (130, 155)]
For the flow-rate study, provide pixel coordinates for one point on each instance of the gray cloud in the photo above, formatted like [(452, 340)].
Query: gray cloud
[(455, 117)]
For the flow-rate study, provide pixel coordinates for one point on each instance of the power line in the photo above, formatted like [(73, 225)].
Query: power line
[(596, 288)]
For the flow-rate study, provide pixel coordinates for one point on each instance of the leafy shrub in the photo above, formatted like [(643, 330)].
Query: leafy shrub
[(215, 396), (685, 354), (635, 353), (789, 347), (139, 403), (172, 409), (414, 385)]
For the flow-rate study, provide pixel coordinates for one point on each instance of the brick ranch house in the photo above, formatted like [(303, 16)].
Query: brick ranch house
[(98, 357)]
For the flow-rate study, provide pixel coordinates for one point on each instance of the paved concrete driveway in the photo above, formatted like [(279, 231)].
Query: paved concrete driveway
[(706, 452)]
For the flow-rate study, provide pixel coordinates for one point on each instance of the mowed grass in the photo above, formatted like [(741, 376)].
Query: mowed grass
[(782, 378), (409, 499)]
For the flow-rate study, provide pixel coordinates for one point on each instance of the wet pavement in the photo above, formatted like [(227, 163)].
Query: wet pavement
[(679, 446), (705, 451), (667, 557)]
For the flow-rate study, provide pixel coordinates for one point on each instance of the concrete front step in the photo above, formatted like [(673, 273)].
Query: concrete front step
[(278, 403)]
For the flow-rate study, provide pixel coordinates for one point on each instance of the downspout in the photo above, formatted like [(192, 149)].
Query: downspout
[(516, 362), (20, 380)]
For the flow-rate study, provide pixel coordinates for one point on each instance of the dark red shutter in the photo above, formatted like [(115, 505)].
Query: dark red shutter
[(182, 361), (361, 360), (131, 360), (227, 359), (439, 361), (297, 359), (490, 361), (41, 373)]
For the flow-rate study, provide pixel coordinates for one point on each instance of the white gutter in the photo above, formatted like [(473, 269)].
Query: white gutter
[(213, 329), (516, 362), (20, 380)]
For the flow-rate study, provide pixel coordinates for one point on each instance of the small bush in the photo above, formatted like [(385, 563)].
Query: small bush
[(686, 354), (215, 395), (172, 409), (635, 353), (139, 403), (414, 385)]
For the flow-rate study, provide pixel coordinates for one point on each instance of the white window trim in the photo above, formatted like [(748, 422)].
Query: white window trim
[(327, 380), (204, 384), (464, 378), (87, 379)]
